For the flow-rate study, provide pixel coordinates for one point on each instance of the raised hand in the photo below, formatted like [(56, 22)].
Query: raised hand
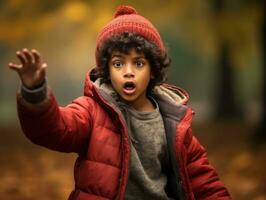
[(31, 69)]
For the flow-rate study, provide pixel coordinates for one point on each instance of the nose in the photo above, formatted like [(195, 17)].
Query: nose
[(129, 72)]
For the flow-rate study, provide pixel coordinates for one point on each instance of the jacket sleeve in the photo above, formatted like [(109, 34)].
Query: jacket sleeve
[(204, 180), (63, 129)]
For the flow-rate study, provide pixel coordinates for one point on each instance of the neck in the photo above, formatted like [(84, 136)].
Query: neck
[(143, 106)]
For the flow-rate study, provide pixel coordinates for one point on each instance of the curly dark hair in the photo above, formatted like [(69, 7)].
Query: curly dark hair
[(124, 43)]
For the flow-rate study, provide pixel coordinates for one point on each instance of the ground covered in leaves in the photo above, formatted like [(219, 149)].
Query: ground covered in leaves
[(29, 172)]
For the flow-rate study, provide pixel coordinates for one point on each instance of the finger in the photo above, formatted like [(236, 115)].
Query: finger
[(44, 66), (14, 67), (43, 69), (36, 55), (28, 56), (21, 57)]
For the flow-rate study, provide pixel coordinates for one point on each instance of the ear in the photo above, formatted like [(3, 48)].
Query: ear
[(152, 75)]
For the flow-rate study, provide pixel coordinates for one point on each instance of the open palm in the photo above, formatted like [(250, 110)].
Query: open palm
[(31, 69)]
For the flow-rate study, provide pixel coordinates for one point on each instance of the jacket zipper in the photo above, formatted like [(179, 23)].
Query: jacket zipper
[(123, 142)]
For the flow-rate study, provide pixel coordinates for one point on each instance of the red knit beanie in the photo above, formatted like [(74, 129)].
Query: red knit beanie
[(126, 19)]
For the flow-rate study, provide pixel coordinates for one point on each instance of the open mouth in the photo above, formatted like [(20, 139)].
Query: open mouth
[(129, 87)]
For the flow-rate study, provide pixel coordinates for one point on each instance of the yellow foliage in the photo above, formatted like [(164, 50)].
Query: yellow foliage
[(75, 11)]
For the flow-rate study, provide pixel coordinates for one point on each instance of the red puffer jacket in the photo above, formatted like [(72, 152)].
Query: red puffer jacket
[(92, 127)]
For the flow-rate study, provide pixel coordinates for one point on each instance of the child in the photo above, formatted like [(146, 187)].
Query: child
[(132, 133)]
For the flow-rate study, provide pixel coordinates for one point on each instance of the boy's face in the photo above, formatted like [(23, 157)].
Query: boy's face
[(130, 75)]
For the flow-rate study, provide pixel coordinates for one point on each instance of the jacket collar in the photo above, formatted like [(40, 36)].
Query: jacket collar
[(172, 100)]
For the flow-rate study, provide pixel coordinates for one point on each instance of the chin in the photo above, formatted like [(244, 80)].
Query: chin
[(128, 98)]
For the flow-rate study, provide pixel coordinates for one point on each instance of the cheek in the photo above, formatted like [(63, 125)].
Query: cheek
[(114, 78), (145, 79), (148, 75), (111, 74)]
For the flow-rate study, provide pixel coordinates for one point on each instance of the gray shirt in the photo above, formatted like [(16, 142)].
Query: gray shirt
[(149, 154)]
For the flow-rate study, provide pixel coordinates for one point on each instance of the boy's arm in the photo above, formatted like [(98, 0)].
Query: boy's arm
[(63, 129), (205, 182), (42, 120)]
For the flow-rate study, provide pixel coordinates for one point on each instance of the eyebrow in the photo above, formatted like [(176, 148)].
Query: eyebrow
[(138, 57), (116, 55), (120, 56)]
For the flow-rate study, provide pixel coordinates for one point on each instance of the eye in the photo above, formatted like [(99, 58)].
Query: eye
[(140, 63), (117, 64)]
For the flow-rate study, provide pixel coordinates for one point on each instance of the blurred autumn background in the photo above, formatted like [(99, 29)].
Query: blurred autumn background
[(218, 56)]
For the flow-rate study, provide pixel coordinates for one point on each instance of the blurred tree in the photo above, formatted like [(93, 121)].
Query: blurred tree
[(226, 97), (227, 107), (264, 67), (261, 131)]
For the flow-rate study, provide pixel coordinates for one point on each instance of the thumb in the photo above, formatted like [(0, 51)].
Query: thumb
[(14, 67)]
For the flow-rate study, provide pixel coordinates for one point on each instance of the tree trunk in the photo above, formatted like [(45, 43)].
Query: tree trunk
[(227, 107), (261, 131)]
